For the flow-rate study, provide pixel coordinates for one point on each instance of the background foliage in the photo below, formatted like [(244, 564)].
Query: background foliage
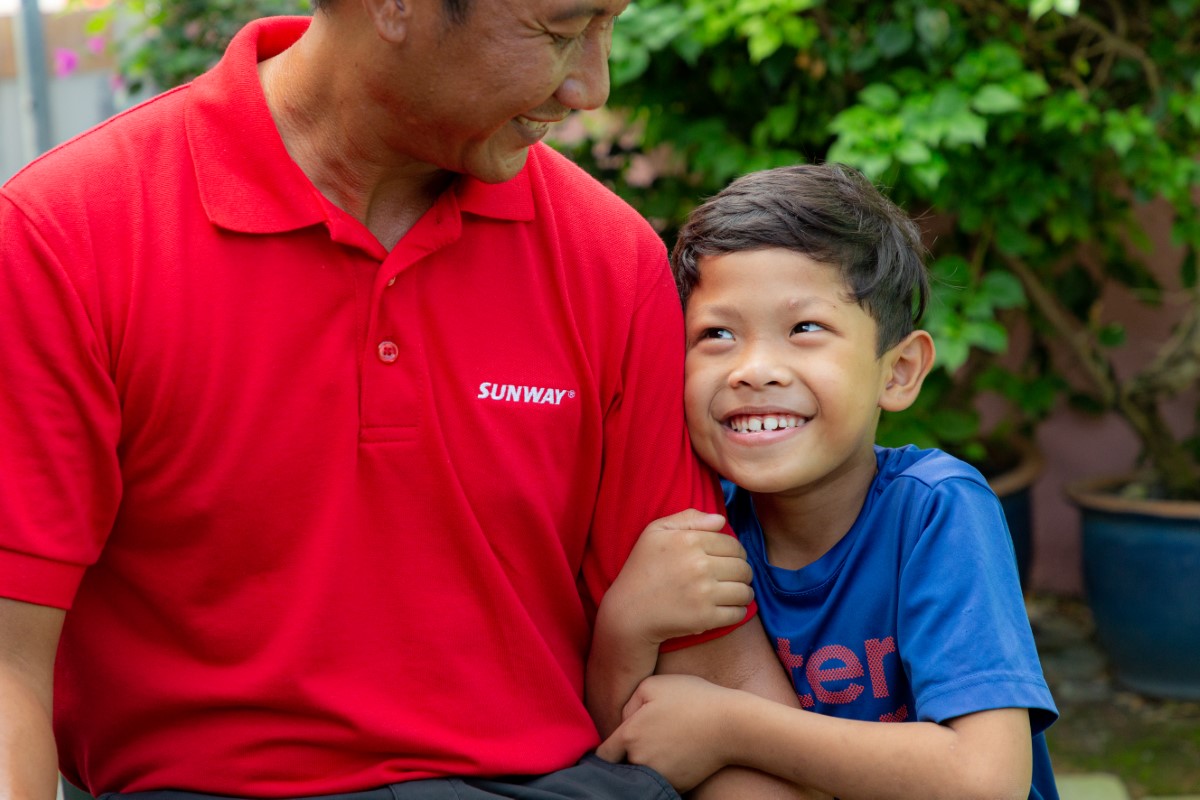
[(1022, 133), (163, 43)]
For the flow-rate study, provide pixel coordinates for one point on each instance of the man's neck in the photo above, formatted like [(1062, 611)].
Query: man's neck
[(325, 131)]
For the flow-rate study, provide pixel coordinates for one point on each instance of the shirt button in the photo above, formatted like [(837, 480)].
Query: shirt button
[(392, 281), (388, 352)]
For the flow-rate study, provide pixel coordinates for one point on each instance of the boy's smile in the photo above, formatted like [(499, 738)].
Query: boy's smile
[(783, 381)]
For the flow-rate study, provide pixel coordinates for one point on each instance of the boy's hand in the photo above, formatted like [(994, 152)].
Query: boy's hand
[(683, 577), (677, 725)]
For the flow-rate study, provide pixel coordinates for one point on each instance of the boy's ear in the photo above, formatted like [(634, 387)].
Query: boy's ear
[(391, 18), (908, 363)]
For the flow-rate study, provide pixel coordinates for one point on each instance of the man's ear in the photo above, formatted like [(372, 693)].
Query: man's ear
[(907, 363), (391, 18)]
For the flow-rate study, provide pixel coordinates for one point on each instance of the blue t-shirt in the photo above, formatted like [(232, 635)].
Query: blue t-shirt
[(916, 613)]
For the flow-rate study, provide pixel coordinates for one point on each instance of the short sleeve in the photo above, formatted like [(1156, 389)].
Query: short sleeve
[(59, 415), (963, 627)]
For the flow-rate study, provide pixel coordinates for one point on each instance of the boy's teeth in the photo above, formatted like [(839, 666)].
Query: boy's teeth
[(756, 424)]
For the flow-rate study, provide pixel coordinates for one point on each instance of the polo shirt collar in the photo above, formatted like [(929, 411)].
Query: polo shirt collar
[(247, 180)]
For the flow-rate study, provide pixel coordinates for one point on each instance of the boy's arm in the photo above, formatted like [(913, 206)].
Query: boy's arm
[(28, 641), (683, 577), (741, 659), (685, 728)]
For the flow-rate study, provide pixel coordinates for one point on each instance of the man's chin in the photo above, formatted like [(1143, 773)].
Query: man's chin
[(499, 169)]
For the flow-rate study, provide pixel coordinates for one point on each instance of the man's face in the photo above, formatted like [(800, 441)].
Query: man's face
[(782, 378), (478, 93)]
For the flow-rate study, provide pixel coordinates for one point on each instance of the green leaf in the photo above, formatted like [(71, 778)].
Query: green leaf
[(990, 336), (1187, 270), (952, 354), (931, 173), (880, 97), (1039, 8), (955, 426), (911, 151), (995, 99), (967, 128), (1004, 289), (932, 26), (1112, 335), (893, 39)]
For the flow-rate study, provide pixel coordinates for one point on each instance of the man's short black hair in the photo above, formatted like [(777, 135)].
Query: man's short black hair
[(829, 212)]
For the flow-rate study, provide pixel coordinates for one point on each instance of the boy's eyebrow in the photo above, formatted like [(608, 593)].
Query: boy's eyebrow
[(727, 311), (797, 303), (716, 310)]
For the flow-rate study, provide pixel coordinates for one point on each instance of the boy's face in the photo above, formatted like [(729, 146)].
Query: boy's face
[(782, 380)]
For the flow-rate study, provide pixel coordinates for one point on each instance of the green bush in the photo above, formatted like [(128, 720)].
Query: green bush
[(1024, 131), (163, 43)]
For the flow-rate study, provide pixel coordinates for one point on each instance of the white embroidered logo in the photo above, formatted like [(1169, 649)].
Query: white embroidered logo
[(513, 393)]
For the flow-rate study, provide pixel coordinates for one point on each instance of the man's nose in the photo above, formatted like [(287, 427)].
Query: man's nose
[(585, 86)]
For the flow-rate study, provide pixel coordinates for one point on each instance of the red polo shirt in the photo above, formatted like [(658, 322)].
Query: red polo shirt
[(321, 511)]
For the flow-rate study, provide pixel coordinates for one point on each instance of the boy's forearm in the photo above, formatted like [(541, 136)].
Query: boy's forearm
[(617, 663), (741, 659), (983, 755)]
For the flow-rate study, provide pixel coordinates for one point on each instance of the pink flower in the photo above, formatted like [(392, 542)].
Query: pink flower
[(66, 61), (96, 45)]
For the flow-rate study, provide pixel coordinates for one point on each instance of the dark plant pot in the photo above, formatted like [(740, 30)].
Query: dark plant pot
[(1014, 487), (1141, 570)]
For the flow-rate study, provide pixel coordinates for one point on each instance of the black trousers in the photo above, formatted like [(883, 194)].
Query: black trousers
[(590, 779)]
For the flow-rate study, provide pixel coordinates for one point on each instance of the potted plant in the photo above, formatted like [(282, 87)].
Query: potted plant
[(1133, 132)]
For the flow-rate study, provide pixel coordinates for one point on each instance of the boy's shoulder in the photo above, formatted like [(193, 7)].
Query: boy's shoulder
[(927, 466)]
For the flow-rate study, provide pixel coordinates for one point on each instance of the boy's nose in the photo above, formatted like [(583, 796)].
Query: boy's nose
[(758, 367)]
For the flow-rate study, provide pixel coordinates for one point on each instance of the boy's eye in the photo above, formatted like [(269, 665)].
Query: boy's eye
[(715, 333), (808, 327)]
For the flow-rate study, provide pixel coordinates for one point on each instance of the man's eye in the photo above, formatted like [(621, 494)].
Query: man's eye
[(808, 327), (563, 40), (715, 333)]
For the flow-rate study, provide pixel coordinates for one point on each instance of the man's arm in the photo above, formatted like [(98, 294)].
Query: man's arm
[(28, 641), (685, 728)]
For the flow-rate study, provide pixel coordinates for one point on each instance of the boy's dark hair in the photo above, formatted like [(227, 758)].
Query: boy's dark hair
[(829, 212)]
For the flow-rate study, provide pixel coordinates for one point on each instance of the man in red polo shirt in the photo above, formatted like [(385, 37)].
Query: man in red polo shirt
[(333, 402)]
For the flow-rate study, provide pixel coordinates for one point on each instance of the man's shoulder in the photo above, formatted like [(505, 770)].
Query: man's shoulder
[(577, 193), (102, 158)]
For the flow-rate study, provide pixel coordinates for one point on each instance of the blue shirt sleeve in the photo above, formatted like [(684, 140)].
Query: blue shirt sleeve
[(963, 628)]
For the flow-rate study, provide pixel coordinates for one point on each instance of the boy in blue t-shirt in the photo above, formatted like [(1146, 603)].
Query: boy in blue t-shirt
[(884, 577)]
